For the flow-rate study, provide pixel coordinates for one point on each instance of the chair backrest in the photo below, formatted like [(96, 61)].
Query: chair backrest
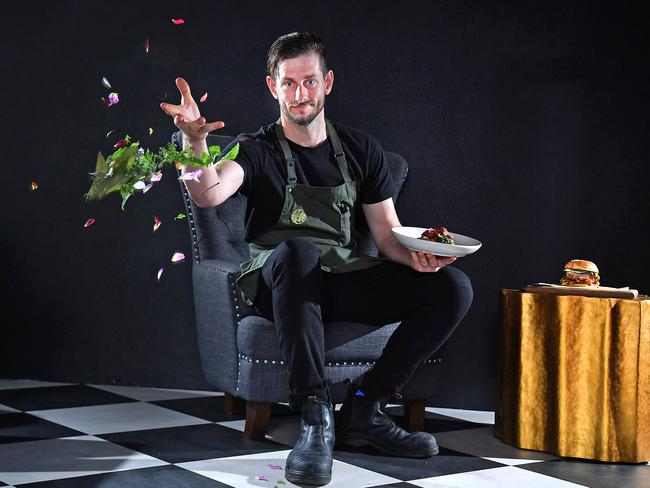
[(218, 232)]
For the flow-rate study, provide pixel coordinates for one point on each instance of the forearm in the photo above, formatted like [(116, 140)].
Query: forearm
[(393, 250), (208, 181)]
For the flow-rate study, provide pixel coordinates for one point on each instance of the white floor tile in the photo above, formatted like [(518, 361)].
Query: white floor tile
[(506, 477), (29, 462), (241, 471), (476, 416), (16, 384), (121, 417), (155, 394), (512, 462), (281, 429)]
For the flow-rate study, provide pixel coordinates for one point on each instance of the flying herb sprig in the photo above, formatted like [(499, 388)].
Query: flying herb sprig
[(130, 168)]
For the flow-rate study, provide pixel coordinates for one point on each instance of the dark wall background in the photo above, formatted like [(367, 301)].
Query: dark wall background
[(524, 126)]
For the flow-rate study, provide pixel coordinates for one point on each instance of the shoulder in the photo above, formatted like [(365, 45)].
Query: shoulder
[(357, 138)]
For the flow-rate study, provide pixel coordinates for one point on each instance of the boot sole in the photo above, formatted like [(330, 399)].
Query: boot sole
[(297, 477), (359, 442)]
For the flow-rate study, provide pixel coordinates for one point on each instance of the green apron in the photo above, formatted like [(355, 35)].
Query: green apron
[(322, 214)]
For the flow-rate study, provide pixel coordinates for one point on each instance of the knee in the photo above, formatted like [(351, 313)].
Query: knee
[(459, 288), (299, 254)]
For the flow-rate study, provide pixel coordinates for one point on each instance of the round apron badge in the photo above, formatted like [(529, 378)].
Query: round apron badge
[(298, 216)]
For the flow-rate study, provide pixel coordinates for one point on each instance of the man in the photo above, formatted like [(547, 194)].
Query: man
[(305, 178)]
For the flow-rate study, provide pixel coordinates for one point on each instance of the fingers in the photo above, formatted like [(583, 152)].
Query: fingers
[(184, 88), (427, 262), (170, 109)]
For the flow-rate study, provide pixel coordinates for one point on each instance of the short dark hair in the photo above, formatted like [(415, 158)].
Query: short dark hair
[(293, 45)]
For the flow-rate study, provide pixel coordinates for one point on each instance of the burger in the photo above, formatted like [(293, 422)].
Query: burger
[(580, 272), (437, 234)]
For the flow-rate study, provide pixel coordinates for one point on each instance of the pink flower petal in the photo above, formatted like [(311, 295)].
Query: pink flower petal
[(113, 98), (120, 143), (147, 44), (275, 466), (156, 222), (178, 21), (105, 102), (156, 177), (160, 272), (147, 188), (260, 477), (33, 186), (89, 222), (204, 97), (178, 257), (192, 175)]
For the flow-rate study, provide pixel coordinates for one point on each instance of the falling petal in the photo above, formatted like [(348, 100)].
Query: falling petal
[(160, 272), (147, 44), (156, 222), (204, 97), (140, 150), (192, 175), (89, 222), (147, 188), (156, 177), (105, 102), (178, 165), (113, 98), (109, 133), (180, 216), (178, 21), (34, 186), (178, 257), (150, 131), (275, 466), (106, 83), (120, 143), (260, 477), (139, 185)]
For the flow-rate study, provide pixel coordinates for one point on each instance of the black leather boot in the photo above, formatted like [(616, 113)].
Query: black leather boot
[(361, 422), (310, 461)]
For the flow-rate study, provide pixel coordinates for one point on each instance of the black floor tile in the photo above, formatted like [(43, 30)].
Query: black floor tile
[(157, 477), (191, 443), (595, 474), (208, 408), (446, 462), (403, 484), (51, 397), (20, 427)]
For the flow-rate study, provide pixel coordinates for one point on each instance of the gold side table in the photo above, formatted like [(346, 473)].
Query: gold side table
[(574, 376)]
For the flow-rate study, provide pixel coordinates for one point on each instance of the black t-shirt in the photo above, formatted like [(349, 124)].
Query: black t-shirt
[(265, 172)]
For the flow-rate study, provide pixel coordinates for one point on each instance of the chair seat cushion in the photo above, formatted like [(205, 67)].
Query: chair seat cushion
[(344, 341)]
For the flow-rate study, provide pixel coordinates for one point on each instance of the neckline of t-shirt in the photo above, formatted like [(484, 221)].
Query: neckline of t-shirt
[(320, 145)]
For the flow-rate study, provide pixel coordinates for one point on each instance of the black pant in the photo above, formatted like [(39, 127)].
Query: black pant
[(298, 296)]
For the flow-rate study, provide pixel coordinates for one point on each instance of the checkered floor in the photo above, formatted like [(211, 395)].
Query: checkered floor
[(56, 435)]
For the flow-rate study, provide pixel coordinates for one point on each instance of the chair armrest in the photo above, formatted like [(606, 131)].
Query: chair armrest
[(219, 308)]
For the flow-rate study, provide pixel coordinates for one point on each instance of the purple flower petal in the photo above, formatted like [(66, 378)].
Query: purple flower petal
[(178, 257), (275, 466), (89, 222), (147, 188), (160, 272), (113, 98), (156, 177)]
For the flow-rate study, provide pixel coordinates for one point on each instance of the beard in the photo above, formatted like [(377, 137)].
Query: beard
[(304, 121)]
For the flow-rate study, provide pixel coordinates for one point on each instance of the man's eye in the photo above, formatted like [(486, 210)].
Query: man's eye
[(311, 82), (286, 83)]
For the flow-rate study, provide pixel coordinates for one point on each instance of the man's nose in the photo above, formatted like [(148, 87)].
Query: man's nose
[(301, 93)]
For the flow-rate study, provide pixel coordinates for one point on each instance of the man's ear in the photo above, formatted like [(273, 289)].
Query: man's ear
[(329, 82), (272, 87)]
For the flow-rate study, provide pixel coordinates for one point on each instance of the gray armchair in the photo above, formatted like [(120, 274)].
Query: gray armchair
[(239, 349)]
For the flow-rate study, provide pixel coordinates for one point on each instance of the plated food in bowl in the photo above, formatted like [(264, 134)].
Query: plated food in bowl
[(437, 234), (411, 238)]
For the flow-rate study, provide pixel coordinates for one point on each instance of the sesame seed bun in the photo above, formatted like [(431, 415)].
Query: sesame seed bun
[(581, 265)]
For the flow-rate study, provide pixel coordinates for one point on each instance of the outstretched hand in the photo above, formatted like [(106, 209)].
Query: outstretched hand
[(429, 263), (187, 116)]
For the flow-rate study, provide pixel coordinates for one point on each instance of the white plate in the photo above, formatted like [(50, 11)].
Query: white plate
[(408, 237)]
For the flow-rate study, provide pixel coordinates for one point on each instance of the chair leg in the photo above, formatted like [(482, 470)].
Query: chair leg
[(232, 405), (257, 419), (414, 415)]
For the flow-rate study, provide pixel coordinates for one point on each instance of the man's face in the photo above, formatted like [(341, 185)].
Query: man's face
[(300, 88)]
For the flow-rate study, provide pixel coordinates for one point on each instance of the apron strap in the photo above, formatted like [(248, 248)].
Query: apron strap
[(338, 152), (288, 157), (336, 144)]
